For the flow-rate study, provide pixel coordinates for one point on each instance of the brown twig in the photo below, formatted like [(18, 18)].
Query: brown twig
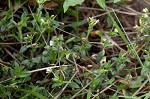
[(9, 53)]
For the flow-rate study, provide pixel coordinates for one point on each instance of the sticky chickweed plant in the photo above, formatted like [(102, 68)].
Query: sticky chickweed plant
[(57, 49)]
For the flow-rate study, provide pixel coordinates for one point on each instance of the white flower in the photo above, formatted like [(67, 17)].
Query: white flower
[(116, 30), (42, 20), (136, 26), (145, 15), (96, 21), (51, 43), (92, 21), (48, 70), (145, 10), (104, 39)]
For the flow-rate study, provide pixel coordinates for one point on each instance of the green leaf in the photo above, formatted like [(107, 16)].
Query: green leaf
[(89, 94), (24, 48), (69, 3), (70, 40), (71, 12), (15, 64), (74, 85), (147, 95), (101, 3), (24, 73), (136, 83), (33, 92), (57, 85), (3, 28)]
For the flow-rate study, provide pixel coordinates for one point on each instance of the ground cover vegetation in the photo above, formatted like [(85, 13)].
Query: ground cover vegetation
[(74, 49)]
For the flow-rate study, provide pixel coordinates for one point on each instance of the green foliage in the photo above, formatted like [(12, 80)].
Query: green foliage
[(42, 57)]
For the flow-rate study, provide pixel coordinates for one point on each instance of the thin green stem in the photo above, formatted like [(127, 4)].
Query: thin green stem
[(77, 20), (126, 40)]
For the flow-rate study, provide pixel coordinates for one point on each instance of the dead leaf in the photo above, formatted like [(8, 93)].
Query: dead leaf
[(50, 5), (103, 60), (32, 2), (96, 33), (124, 81), (16, 5)]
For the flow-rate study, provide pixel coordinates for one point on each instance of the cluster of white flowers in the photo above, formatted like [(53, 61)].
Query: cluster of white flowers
[(145, 10), (143, 21), (92, 21)]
